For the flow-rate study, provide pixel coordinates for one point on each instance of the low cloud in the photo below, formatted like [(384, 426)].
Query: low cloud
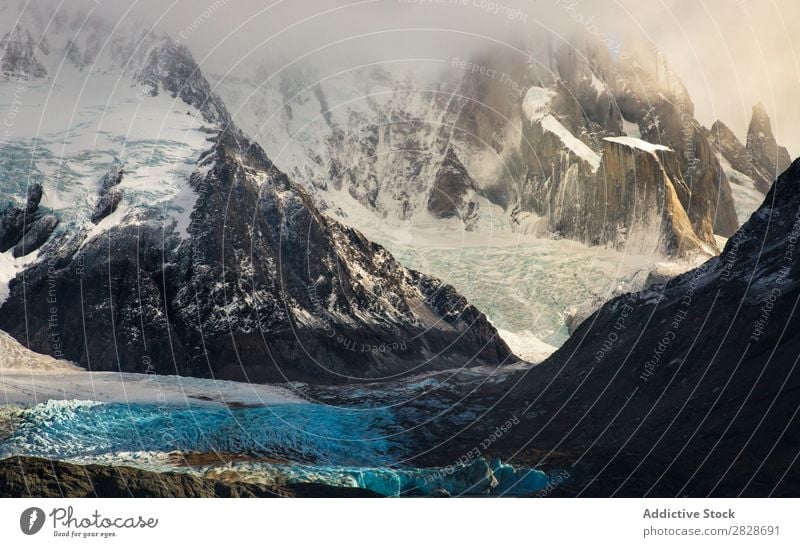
[(730, 53)]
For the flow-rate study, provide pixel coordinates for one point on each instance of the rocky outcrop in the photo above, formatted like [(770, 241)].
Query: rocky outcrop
[(24, 229), (110, 195), (451, 193), (734, 152), (757, 162), (762, 148), (36, 234), (637, 206), (14, 220), (652, 97), (560, 170), (106, 204), (22, 477), (171, 67)]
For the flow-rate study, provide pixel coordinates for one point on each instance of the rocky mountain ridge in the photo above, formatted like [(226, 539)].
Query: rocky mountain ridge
[(751, 166), (234, 274), (526, 122)]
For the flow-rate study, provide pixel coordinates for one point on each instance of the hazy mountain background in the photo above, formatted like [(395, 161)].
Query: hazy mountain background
[(730, 54)]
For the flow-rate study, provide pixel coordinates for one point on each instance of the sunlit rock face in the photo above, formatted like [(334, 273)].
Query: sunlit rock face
[(652, 97), (639, 207), (630, 195)]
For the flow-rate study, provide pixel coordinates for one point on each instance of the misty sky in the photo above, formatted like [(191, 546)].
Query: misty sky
[(730, 53)]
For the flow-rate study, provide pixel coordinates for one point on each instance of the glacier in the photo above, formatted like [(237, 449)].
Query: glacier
[(523, 283), (272, 444), (301, 432), (66, 137)]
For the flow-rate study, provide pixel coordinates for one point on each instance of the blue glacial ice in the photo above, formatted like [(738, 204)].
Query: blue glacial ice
[(323, 444), (300, 432)]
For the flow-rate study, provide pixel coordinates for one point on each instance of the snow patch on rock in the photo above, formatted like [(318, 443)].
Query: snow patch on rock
[(639, 144), (551, 124), (536, 103)]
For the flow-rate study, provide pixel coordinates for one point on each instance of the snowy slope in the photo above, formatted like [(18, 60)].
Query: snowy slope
[(66, 137), (747, 196), (77, 105), (88, 106)]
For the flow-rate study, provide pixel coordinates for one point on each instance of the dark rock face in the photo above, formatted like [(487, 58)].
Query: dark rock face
[(106, 204), (451, 192), (12, 226), (36, 235), (24, 229), (761, 159), (34, 198), (22, 477), (737, 155), (687, 388), (110, 180), (264, 289), (110, 195), (14, 220)]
